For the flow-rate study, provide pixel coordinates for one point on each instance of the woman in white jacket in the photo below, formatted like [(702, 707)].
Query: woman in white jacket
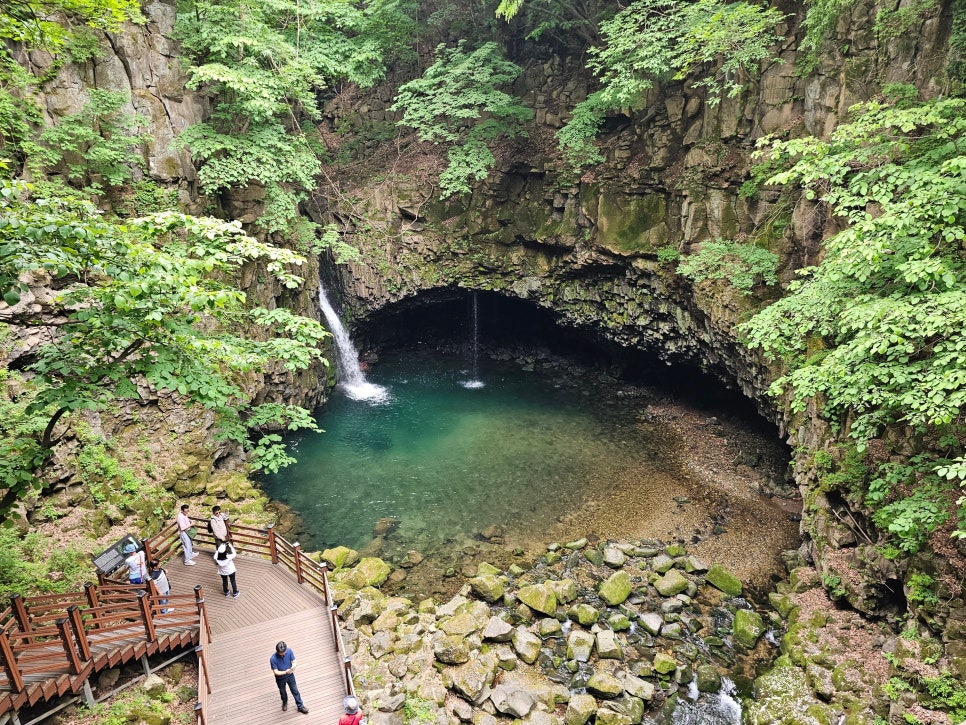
[(224, 557)]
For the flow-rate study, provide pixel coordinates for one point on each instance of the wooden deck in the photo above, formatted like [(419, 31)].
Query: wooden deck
[(272, 607)]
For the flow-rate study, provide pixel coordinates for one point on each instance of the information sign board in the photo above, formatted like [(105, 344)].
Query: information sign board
[(112, 558)]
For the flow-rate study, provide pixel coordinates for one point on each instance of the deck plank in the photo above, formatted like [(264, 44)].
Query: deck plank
[(272, 606)]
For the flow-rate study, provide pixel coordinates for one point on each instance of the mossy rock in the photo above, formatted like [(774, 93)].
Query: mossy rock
[(783, 697), (487, 587), (616, 589), (722, 579), (369, 572), (747, 628), (672, 583), (340, 556), (539, 597)]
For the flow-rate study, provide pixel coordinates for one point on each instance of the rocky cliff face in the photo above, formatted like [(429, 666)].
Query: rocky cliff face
[(143, 62), (584, 250), (587, 251)]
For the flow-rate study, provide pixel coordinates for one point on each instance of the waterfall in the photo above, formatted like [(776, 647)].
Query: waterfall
[(474, 381), (350, 377), (719, 708)]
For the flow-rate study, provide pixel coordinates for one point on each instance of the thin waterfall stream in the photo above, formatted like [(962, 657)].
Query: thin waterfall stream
[(352, 380), (474, 383)]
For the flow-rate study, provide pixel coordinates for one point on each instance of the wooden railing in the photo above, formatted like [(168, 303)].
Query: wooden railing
[(267, 544), (51, 635), (46, 637), (204, 681)]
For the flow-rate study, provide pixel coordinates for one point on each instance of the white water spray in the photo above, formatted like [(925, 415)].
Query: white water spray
[(474, 382), (352, 381), (719, 708)]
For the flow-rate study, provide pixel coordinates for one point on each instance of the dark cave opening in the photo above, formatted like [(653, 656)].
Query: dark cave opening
[(442, 320)]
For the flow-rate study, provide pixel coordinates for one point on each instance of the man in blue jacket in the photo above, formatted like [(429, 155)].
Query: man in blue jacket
[(283, 666)]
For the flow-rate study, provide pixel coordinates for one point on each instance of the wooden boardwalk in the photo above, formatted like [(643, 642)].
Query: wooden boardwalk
[(272, 606)]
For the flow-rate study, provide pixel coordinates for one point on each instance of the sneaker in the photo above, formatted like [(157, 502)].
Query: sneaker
[(189, 563), (194, 555), (234, 596), (226, 594), (304, 710), (284, 706)]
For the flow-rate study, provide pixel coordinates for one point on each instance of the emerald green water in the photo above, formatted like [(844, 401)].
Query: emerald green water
[(448, 462)]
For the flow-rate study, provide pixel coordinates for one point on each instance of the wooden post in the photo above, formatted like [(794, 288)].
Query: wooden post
[(199, 714), (347, 664), (10, 663), (203, 661), (272, 546), (202, 614), (20, 613), (66, 637), (148, 554), (325, 580), (144, 602), (333, 610), (88, 693), (101, 578), (297, 554), (92, 600), (80, 634)]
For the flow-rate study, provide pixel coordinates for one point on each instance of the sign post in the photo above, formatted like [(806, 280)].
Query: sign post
[(111, 559)]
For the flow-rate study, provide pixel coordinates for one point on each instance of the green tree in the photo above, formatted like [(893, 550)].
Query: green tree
[(877, 331), (268, 64), (144, 302), (40, 23), (654, 40), (458, 101)]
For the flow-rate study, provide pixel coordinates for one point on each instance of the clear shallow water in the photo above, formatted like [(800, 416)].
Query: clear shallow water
[(448, 460)]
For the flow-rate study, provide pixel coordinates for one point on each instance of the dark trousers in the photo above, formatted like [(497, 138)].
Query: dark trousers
[(225, 578), (289, 680)]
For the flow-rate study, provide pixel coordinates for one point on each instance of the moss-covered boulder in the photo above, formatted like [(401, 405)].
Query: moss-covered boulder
[(340, 556), (722, 579), (565, 589), (487, 587), (526, 644), (580, 709), (452, 650), (783, 698), (539, 597), (747, 628), (616, 588), (369, 572), (708, 679), (580, 645), (674, 582), (664, 663), (604, 685), (585, 614), (472, 679)]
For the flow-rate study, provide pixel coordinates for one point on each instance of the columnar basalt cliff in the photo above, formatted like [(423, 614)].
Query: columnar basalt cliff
[(587, 250)]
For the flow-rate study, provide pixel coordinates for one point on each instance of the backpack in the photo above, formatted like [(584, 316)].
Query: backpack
[(210, 530)]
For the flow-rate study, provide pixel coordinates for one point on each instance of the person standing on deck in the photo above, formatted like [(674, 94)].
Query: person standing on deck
[(218, 525), (184, 523), (283, 667), (224, 557), (353, 715), (160, 577), (137, 567)]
